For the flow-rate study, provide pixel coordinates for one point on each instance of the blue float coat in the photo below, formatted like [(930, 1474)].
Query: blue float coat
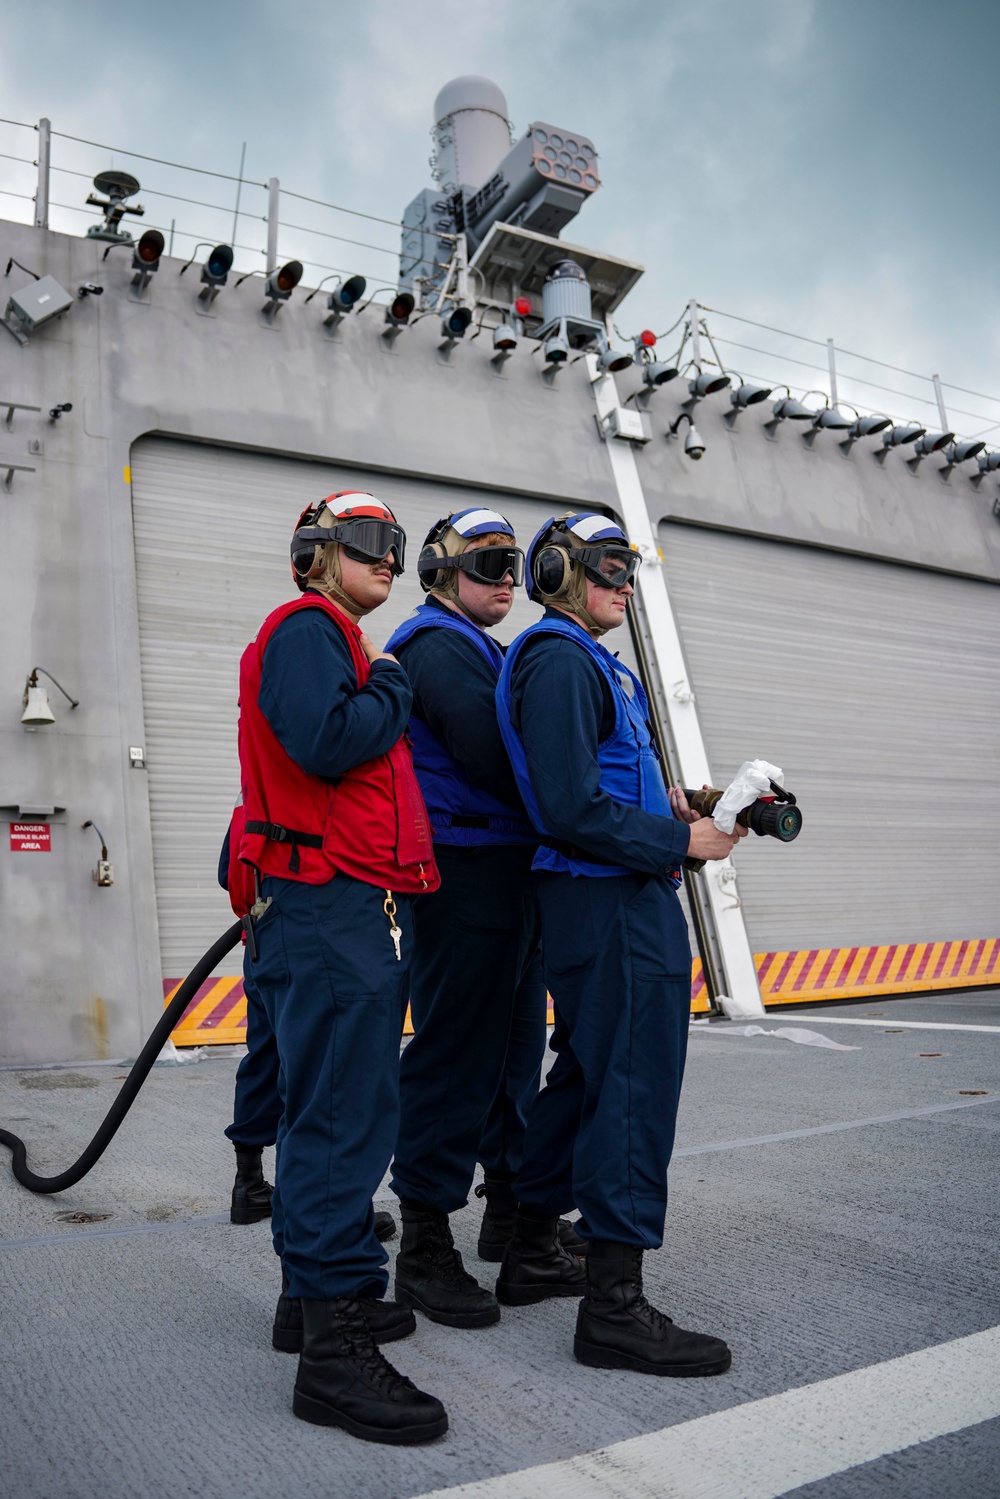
[(477, 996), (616, 960), (448, 672), (561, 707)]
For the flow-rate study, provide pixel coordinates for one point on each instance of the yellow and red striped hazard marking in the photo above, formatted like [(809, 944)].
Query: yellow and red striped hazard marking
[(218, 1013), (824, 973)]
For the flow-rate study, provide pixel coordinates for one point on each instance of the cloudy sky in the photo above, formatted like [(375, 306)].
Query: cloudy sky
[(822, 166)]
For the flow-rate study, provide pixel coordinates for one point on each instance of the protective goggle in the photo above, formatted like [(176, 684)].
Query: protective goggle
[(609, 566), (485, 564), (363, 537)]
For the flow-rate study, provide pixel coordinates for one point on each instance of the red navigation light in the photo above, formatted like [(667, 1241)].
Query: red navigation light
[(402, 306), (288, 278), (522, 306), (150, 247), (647, 338)]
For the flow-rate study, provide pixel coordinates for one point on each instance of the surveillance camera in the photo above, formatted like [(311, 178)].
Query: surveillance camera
[(693, 445), (90, 289)]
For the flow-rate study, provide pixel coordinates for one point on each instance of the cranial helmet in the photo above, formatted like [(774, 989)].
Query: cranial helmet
[(445, 552), (364, 526), (571, 548)]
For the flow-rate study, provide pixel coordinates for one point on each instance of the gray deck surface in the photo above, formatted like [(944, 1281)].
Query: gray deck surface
[(136, 1349)]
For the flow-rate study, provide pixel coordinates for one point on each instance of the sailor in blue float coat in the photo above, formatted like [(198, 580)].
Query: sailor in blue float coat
[(476, 991), (615, 951)]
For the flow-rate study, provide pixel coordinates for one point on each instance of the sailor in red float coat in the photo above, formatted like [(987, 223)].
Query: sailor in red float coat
[(336, 826)]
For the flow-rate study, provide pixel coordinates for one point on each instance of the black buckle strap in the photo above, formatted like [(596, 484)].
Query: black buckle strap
[(277, 834)]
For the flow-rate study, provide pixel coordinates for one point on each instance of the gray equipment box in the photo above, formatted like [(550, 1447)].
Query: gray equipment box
[(36, 304)]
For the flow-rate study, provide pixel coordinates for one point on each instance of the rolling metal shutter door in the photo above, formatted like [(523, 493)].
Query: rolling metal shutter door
[(876, 688), (212, 527)]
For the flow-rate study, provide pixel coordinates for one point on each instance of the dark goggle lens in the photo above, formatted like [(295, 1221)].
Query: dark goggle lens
[(492, 564), (369, 540), (611, 567)]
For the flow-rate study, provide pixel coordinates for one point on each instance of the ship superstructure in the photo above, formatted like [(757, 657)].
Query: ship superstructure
[(819, 586)]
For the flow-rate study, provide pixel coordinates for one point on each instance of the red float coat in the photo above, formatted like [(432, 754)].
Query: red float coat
[(371, 823)]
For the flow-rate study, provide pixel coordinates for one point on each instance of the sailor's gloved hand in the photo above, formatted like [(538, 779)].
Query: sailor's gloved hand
[(707, 842)]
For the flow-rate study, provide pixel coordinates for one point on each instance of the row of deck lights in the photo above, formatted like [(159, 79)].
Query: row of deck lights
[(456, 317)]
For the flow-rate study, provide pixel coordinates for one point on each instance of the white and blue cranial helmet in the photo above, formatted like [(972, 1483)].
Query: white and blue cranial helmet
[(446, 551), (574, 547)]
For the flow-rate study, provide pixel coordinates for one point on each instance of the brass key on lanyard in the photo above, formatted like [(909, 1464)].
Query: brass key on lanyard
[(395, 932)]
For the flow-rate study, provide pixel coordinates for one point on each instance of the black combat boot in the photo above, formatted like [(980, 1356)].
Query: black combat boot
[(535, 1265), (497, 1228), (618, 1329), (251, 1193), (343, 1380), (385, 1226), (387, 1321), (431, 1277)]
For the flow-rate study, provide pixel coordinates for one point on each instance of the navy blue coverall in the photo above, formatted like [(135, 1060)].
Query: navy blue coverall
[(256, 1100), (477, 994), (617, 962), (329, 980)]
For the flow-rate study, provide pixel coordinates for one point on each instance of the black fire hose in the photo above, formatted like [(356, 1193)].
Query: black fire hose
[(129, 1090)]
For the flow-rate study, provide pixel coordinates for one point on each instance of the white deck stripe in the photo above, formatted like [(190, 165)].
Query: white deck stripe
[(888, 1024), (831, 1129), (763, 1449)]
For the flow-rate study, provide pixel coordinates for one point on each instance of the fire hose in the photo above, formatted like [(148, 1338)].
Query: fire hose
[(129, 1090)]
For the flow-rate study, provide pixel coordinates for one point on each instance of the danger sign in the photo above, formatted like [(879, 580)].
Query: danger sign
[(30, 838)]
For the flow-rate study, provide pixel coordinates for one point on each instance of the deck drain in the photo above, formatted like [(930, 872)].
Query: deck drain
[(973, 1092), (81, 1217)]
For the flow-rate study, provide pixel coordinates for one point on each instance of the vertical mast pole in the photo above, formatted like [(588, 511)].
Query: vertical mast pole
[(44, 163)]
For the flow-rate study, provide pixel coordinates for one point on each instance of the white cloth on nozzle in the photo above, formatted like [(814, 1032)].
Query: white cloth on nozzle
[(753, 779)]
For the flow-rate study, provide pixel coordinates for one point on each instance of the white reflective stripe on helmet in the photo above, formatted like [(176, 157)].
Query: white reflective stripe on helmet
[(595, 528), (478, 521)]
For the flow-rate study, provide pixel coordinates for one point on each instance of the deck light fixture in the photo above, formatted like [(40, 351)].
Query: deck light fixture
[(505, 339), (788, 409), (707, 384), (932, 442), (989, 462), (657, 372), (749, 395), (342, 299), (743, 395), (279, 286), (35, 702), (146, 257), (958, 452), (454, 322), (864, 426), (555, 350), (612, 361), (215, 273), (832, 420), (898, 436), (397, 314), (869, 426)]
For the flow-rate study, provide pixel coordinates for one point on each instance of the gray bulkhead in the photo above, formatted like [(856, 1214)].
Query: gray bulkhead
[(214, 428)]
